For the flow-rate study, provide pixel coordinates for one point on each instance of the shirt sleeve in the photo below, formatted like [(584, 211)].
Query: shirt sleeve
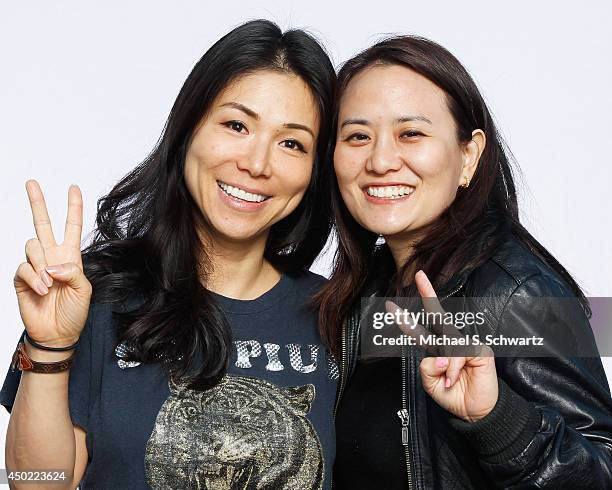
[(79, 380)]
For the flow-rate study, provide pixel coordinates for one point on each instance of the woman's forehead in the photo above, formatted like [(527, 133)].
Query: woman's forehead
[(268, 92), (393, 91)]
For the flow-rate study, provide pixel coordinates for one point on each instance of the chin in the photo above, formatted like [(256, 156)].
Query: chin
[(391, 231), (235, 233), (380, 227)]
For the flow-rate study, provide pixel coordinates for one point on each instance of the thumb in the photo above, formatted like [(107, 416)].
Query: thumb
[(69, 273), (434, 367)]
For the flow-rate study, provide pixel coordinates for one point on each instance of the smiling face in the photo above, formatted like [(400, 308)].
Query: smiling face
[(397, 158), (249, 161)]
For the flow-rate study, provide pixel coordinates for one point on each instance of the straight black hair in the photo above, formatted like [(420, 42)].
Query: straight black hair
[(145, 243)]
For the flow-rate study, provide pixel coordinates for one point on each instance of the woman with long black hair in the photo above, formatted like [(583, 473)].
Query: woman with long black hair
[(425, 192), (193, 354)]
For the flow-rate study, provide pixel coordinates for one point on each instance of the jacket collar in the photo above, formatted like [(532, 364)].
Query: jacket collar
[(453, 285)]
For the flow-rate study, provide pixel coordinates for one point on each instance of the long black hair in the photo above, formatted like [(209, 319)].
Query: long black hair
[(145, 243), (468, 232)]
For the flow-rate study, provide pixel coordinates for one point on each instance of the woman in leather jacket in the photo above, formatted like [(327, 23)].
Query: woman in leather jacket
[(419, 162)]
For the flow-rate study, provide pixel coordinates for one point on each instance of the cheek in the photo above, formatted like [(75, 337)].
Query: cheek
[(294, 179), (437, 166), (203, 154), (346, 165), (301, 183), (191, 175), (439, 169), (209, 152)]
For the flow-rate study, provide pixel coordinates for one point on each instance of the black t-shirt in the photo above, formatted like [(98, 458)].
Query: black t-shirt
[(267, 424)]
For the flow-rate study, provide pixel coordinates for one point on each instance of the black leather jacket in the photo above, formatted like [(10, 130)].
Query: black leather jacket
[(552, 424)]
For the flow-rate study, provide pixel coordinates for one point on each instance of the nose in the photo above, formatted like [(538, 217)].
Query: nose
[(384, 157), (257, 161)]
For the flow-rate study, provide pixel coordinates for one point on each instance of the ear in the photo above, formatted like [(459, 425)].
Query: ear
[(472, 152)]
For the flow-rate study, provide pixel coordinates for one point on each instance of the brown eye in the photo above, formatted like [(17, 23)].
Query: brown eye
[(235, 126), (357, 137), (294, 145), (411, 134)]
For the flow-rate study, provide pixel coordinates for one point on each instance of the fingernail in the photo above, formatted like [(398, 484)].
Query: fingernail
[(54, 269), (41, 288), (441, 362), (46, 278), (448, 383)]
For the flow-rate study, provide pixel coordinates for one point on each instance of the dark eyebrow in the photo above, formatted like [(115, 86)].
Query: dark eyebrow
[(299, 126), (402, 119), (243, 108), (254, 115), (413, 118), (346, 122)]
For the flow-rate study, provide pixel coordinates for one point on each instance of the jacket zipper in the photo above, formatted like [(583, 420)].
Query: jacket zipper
[(453, 292), (343, 364), (404, 413), (404, 416), (343, 367)]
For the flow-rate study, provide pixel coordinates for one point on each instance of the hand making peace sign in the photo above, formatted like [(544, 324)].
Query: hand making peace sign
[(52, 291), (465, 386)]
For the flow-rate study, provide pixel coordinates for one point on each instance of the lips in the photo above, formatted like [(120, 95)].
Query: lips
[(241, 193), (389, 191)]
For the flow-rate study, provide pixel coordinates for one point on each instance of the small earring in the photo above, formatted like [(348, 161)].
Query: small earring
[(466, 182)]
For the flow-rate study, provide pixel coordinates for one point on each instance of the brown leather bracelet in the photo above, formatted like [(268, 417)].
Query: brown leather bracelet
[(22, 361)]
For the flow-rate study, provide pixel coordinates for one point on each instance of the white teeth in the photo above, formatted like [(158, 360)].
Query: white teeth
[(240, 193), (389, 192)]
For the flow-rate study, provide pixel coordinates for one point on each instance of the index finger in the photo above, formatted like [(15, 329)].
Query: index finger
[(432, 304), (442, 328), (74, 218), (427, 292), (411, 328), (42, 223)]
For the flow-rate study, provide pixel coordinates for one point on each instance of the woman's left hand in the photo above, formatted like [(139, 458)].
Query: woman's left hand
[(464, 386)]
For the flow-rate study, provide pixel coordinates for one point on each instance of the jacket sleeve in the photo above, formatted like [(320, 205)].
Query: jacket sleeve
[(552, 424)]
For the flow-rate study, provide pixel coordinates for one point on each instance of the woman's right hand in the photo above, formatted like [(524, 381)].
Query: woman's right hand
[(52, 290)]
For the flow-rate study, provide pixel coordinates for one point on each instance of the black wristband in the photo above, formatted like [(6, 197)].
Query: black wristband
[(33, 343)]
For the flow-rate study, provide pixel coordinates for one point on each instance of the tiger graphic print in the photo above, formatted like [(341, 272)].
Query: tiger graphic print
[(244, 433)]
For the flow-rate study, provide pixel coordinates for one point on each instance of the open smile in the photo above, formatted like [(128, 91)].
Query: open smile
[(387, 194), (241, 199), (242, 194)]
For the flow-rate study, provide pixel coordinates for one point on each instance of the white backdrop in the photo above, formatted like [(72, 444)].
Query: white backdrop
[(85, 90)]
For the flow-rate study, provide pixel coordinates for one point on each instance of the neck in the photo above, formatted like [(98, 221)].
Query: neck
[(402, 249), (238, 269)]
